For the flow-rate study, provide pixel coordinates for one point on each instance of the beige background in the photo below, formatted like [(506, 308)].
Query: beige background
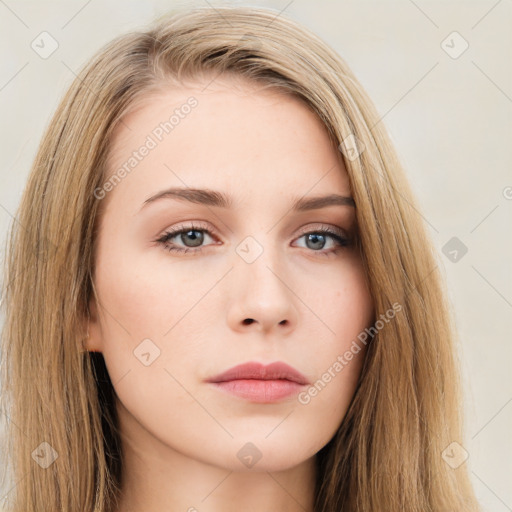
[(450, 119)]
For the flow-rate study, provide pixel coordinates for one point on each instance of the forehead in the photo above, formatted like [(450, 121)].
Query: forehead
[(229, 134)]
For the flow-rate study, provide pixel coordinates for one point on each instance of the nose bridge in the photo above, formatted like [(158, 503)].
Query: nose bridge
[(259, 263), (259, 288)]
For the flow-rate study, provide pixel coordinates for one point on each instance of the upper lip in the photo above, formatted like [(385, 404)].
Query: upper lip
[(258, 371)]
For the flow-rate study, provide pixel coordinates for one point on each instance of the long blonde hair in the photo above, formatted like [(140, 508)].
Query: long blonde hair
[(387, 452)]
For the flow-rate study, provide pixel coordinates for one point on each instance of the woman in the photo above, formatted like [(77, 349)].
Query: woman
[(220, 294)]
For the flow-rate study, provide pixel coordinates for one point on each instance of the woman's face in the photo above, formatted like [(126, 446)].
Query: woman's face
[(255, 280)]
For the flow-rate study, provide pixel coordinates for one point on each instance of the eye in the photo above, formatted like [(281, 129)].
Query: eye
[(191, 234), (318, 238), (193, 237)]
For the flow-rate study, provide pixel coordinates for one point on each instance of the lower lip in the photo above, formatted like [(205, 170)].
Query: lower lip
[(263, 391)]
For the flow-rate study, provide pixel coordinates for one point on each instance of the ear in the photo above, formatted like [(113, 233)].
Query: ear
[(93, 342)]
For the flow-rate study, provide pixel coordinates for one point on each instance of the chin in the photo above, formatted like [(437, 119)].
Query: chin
[(267, 455)]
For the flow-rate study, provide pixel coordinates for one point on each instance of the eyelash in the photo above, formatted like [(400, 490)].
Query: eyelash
[(164, 239)]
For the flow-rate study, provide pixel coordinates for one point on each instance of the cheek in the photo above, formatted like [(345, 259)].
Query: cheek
[(346, 309), (339, 297), (326, 401), (144, 298), (149, 309)]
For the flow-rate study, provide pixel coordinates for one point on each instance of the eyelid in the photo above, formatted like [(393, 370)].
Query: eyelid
[(322, 226), (189, 225), (200, 225)]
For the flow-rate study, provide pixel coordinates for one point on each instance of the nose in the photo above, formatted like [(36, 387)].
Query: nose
[(262, 297)]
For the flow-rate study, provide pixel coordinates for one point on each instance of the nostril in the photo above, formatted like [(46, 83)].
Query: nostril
[(248, 321)]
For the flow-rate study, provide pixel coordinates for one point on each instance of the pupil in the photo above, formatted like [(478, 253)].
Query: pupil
[(196, 241), (314, 238), (317, 240)]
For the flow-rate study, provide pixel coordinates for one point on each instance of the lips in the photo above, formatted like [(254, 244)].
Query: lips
[(257, 371), (261, 384)]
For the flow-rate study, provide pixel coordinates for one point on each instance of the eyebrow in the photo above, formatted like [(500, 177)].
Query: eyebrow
[(219, 199)]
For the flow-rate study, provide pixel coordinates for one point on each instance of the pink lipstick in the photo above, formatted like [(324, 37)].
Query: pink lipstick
[(259, 383)]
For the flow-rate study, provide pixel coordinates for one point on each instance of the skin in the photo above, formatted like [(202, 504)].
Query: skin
[(307, 301)]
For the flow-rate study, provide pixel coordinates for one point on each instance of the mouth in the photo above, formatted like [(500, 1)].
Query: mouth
[(259, 383)]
